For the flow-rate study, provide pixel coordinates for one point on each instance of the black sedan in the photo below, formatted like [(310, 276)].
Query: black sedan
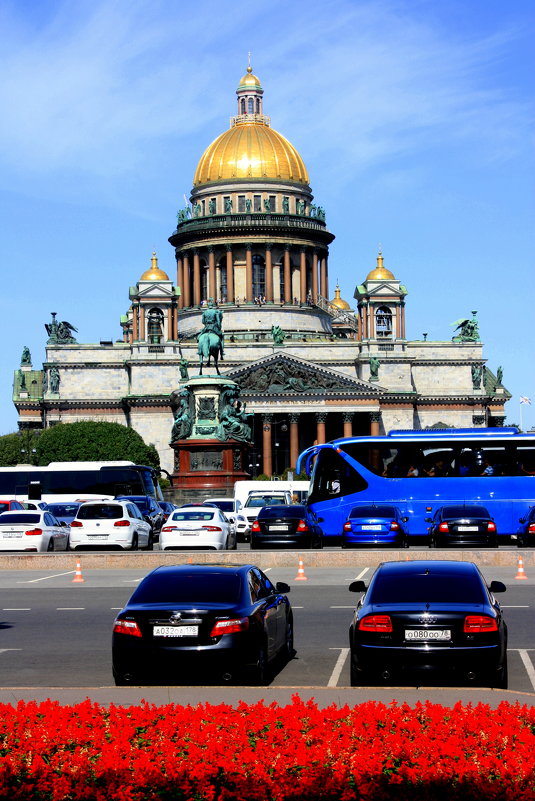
[(430, 618), (184, 622), (150, 509), (526, 535), (462, 525), (286, 526)]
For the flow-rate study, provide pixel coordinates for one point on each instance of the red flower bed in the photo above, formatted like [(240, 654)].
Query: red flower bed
[(266, 753)]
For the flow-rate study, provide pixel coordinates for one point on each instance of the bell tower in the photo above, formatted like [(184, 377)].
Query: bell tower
[(381, 305)]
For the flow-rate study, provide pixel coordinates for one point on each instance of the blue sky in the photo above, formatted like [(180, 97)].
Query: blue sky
[(414, 119)]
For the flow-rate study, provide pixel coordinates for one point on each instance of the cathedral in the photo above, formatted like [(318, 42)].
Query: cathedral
[(254, 243)]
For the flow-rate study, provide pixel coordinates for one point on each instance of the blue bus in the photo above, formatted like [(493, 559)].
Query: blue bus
[(419, 471)]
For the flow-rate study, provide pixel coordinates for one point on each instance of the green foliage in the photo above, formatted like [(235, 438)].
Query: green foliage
[(88, 441), (18, 448)]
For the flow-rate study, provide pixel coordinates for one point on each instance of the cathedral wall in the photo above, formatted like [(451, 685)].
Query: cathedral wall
[(154, 426), (99, 383), (440, 379)]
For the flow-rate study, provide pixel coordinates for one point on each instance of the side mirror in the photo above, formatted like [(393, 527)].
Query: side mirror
[(64, 523), (281, 586), (521, 519), (428, 519), (357, 586), (497, 586)]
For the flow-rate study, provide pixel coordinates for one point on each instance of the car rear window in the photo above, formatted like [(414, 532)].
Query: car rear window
[(452, 512), (265, 500), (4, 507), (282, 511), (225, 506), (100, 511), (427, 588), (373, 511), (193, 516), (195, 588), (20, 517), (63, 508)]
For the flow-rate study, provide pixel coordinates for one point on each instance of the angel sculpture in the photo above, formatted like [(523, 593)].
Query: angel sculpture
[(60, 333), (468, 329)]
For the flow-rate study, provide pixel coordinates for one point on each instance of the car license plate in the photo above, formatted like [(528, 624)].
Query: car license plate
[(97, 536), (427, 634), (278, 528), (467, 528), (10, 534), (175, 631), (366, 527), (184, 532)]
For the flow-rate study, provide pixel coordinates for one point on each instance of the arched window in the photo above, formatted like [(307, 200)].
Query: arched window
[(258, 105), (259, 276), (242, 105), (250, 105), (383, 322), (155, 326)]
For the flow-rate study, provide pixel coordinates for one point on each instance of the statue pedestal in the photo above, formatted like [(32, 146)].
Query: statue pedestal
[(212, 444)]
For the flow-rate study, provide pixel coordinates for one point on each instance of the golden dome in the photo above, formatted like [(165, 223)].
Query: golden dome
[(380, 272), (249, 79), (339, 302), (154, 273), (250, 150)]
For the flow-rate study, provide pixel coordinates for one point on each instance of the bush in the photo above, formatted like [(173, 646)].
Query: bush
[(88, 441)]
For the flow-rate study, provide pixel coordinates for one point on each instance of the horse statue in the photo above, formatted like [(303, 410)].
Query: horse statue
[(209, 346)]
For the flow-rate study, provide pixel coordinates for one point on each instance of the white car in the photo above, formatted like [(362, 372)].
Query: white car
[(231, 508), (257, 500), (196, 528), (32, 530), (119, 524)]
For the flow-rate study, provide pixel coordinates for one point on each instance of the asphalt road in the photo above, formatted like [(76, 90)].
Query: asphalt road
[(56, 633)]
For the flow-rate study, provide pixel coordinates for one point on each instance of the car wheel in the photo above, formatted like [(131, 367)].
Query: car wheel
[(405, 543), (288, 648), (135, 542), (259, 672), (50, 545), (150, 542), (502, 680), (356, 677), (519, 542), (432, 543)]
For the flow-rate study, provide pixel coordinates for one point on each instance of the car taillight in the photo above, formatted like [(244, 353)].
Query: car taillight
[(491, 526), (34, 531), (479, 623), (256, 526), (127, 627), (211, 528), (394, 526), (376, 623), (76, 524), (302, 526), (229, 626), (122, 523), (531, 528), (347, 526), (169, 528), (444, 527)]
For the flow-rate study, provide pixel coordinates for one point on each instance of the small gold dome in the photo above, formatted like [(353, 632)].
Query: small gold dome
[(380, 272), (250, 150), (339, 302), (154, 273), (249, 79)]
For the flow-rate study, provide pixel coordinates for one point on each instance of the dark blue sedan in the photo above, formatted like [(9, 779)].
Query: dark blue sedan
[(526, 535), (219, 622), (377, 525), (430, 618)]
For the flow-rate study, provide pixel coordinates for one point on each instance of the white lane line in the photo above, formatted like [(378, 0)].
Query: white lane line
[(514, 607), (340, 662), (45, 578), (342, 607), (361, 574), (69, 608), (528, 664), (3, 650), (16, 609)]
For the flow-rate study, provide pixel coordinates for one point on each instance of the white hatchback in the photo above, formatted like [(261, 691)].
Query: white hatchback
[(196, 528), (32, 530), (117, 524)]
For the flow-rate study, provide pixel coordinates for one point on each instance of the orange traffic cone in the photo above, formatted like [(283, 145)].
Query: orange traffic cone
[(301, 572), (78, 574), (520, 574)]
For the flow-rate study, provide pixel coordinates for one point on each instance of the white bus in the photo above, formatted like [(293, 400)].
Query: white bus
[(298, 489)]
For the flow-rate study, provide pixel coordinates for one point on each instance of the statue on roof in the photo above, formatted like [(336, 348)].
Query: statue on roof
[(278, 334), (468, 329), (60, 333), (26, 358), (499, 376), (374, 368)]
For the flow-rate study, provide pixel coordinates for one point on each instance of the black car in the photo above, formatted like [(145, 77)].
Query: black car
[(428, 617), (150, 509), (526, 535), (462, 525), (285, 526), (225, 622), (167, 507)]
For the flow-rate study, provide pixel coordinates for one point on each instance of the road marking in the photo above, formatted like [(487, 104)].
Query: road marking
[(340, 662), (45, 578), (361, 574), (3, 650), (69, 608), (16, 609), (342, 607), (528, 664), (515, 607)]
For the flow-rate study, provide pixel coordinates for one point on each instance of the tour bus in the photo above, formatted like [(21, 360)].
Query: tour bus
[(419, 471), (78, 481), (298, 489)]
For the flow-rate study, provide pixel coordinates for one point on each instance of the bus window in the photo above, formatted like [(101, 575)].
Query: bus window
[(333, 476)]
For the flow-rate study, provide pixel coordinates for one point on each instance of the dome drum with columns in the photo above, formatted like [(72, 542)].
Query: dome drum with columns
[(309, 367)]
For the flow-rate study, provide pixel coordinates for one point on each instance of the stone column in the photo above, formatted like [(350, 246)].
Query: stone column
[(287, 275), (375, 420), (196, 278), (323, 277), (315, 275), (135, 322), (348, 424), (321, 419), (294, 439), (187, 285), (170, 324), (402, 314), (269, 274), (248, 272), (303, 275), (326, 268), (180, 280), (230, 275), (142, 332), (267, 463), (211, 274)]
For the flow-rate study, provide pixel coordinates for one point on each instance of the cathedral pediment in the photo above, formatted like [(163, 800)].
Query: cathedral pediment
[(155, 290), (286, 375)]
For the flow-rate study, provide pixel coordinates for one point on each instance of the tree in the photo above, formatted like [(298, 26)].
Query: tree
[(18, 448), (88, 441)]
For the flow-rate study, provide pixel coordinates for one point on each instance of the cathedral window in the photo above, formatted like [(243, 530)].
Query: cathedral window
[(241, 204), (155, 326), (242, 105), (257, 202), (250, 105), (383, 322), (258, 105), (204, 280), (259, 276), (273, 203)]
